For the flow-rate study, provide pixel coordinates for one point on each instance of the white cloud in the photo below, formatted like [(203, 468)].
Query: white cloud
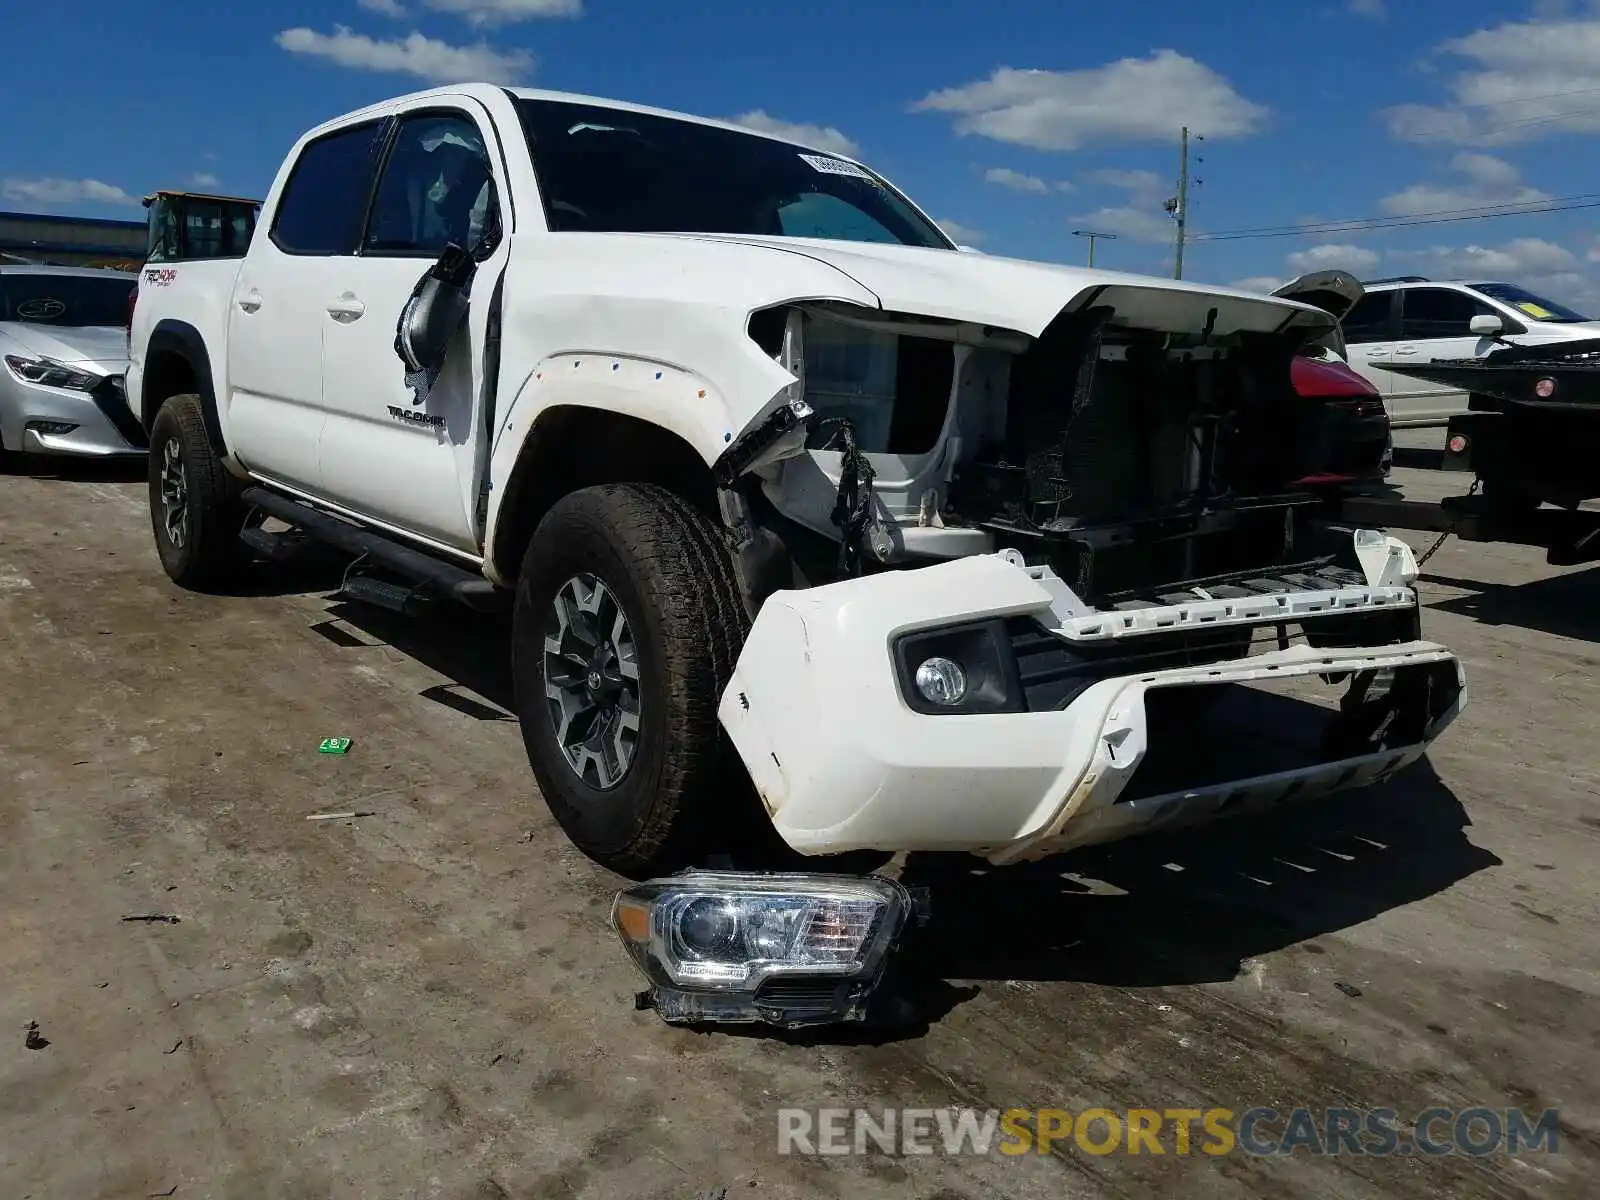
[(1333, 257), (503, 12), (1017, 181), (384, 8), (820, 137), (204, 179), (962, 235), (1541, 266), (1520, 260), (1373, 10), (1484, 180), (1265, 284), (429, 58), (59, 192), (1525, 80), (1144, 186), (1132, 223), (1132, 99)]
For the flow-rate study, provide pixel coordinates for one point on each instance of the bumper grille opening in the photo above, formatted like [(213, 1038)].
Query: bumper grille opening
[(1204, 736), (110, 399), (1054, 672)]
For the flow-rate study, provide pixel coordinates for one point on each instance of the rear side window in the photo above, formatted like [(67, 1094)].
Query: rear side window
[(1368, 320), (325, 200)]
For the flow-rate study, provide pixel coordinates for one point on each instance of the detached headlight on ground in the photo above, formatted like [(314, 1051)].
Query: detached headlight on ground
[(788, 950), (51, 373)]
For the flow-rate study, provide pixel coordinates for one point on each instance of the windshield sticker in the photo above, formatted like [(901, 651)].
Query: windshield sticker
[(42, 309), (838, 166), (1537, 311)]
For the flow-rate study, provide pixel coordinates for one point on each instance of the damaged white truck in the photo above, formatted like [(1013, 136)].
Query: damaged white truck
[(802, 510)]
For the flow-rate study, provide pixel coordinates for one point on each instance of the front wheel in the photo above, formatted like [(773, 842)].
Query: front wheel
[(195, 511), (626, 628)]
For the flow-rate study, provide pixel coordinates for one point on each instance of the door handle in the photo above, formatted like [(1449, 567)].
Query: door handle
[(250, 301), (346, 308), (1406, 350)]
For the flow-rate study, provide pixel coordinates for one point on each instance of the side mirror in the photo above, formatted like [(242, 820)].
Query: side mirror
[(1486, 325), (437, 307), (435, 311)]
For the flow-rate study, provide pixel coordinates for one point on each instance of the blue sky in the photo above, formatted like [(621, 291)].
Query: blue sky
[(1013, 121)]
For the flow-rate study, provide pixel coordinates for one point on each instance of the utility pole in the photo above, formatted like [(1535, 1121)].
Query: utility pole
[(1181, 205), (1092, 235)]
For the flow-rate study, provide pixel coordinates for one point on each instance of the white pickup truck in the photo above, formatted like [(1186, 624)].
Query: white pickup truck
[(803, 512)]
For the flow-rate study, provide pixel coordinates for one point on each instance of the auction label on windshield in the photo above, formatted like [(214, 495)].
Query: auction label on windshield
[(837, 166)]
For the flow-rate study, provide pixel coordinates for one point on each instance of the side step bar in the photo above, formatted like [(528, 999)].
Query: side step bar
[(447, 578)]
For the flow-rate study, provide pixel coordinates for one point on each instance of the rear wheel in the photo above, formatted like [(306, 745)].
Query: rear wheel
[(195, 510), (626, 628)]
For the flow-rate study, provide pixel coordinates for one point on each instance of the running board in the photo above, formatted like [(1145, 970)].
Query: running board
[(446, 578)]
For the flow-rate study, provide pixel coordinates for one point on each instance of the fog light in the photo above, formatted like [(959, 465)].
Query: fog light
[(51, 428), (784, 949), (1458, 443), (942, 681)]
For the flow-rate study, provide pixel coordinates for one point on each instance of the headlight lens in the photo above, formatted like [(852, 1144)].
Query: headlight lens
[(719, 946), (51, 373)]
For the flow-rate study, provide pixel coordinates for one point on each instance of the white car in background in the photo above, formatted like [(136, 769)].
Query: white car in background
[(1412, 320), (63, 353)]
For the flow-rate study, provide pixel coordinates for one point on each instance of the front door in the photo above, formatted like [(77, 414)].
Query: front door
[(276, 311), (1434, 323), (385, 452)]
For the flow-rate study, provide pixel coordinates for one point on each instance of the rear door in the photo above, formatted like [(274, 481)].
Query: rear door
[(1371, 328), (385, 453), (277, 313), (1435, 323)]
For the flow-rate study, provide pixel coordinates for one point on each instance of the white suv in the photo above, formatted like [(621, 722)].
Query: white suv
[(1415, 320)]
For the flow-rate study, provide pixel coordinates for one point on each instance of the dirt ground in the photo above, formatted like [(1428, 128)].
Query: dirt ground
[(427, 1001)]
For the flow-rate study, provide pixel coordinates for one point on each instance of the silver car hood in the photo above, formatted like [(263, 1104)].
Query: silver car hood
[(105, 345)]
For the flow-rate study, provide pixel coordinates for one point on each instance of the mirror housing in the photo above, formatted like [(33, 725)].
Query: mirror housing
[(1486, 325), (438, 305)]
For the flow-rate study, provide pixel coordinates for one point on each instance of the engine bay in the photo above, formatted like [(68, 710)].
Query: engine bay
[(1126, 459)]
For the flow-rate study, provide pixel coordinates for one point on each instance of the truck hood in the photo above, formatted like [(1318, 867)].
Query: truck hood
[(1026, 296), (103, 344)]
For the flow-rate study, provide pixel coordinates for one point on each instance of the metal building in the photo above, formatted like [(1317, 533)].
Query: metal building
[(72, 241)]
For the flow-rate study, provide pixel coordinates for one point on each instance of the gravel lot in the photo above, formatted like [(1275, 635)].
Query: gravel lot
[(428, 1002)]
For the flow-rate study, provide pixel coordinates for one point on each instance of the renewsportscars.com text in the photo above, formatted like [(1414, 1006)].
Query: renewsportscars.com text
[(1433, 1132)]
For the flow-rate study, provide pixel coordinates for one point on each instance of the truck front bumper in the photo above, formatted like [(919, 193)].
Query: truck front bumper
[(1099, 726)]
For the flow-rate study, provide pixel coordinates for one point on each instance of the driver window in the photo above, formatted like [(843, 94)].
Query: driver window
[(435, 189)]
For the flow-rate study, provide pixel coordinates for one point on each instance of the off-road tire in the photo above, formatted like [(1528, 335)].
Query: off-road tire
[(210, 554), (666, 564)]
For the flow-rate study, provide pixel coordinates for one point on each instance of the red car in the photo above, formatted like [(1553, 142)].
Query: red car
[(1346, 427)]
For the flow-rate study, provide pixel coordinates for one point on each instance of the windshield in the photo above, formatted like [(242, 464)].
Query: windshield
[(1529, 304), (45, 299), (607, 170)]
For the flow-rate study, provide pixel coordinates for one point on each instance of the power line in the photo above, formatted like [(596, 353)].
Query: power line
[(1441, 217), (1441, 134)]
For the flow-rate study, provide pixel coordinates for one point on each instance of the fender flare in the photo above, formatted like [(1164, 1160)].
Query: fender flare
[(682, 405), (172, 336)]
